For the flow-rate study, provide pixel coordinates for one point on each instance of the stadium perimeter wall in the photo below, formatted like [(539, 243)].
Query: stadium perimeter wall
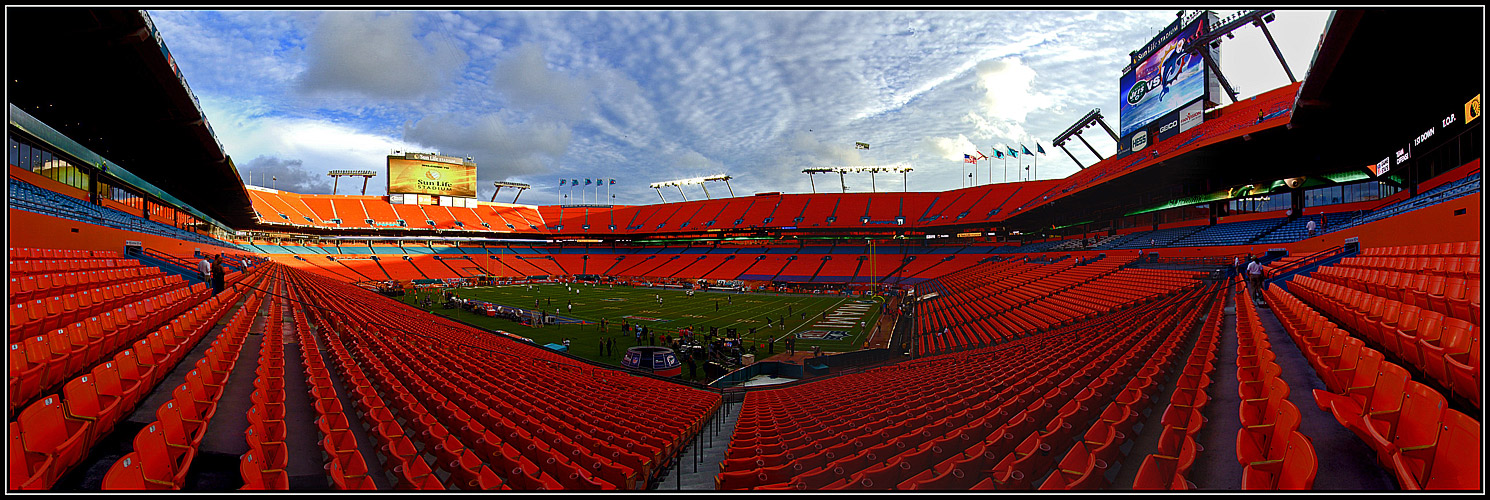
[(1427, 225)]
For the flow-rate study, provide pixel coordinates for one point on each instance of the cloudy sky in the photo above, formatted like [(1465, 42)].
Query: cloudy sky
[(645, 96)]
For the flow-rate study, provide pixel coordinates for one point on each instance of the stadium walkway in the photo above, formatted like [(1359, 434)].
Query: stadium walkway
[(1346, 462), (699, 460), (1216, 467)]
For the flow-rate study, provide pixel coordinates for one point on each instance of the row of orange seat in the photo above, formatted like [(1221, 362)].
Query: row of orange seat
[(959, 421), (53, 434), (970, 299), (39, 285), (165, 448), (1169, 465), (17, 253), (1461, 267), (31, 267), (79, 338), (1457, 297), (477, 412), (974, 318), (392, 444), (1444, 349), (50, 312), (1459, 248), (283, 207), (1274, 454), (262, 467), (345, 466), (1142, 366), (1425, 444)]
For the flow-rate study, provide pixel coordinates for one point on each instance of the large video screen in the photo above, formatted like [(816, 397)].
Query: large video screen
[(1164, 81), (429, 177)]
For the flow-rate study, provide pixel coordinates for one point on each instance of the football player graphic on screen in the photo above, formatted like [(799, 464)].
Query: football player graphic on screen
[(1174, 64)]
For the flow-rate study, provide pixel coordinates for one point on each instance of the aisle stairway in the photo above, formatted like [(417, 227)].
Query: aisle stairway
[(699, 460)]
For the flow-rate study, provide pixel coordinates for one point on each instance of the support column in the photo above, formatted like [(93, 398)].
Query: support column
[(1205, 54), (1276, 52), (1089, 146), (1105, 127), (1073, 157)]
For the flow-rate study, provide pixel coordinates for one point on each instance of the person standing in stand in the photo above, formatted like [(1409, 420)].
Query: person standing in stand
[(1254, 279), (204, 267), (217, 275)]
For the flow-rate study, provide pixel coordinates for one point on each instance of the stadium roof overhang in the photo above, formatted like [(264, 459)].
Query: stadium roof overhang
[(1381, 77), (103, 78), (1370, 90)]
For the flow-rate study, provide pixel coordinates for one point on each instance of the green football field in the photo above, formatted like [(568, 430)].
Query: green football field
[(828, 321)]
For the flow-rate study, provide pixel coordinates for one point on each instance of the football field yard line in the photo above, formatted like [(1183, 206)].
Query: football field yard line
[(771, 303), (872, 313), (805, 323)]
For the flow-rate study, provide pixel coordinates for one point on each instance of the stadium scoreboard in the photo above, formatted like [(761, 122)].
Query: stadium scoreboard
[(431, 179), (1164, 89)]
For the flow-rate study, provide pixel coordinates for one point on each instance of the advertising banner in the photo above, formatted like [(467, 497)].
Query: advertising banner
[(1164, 81), (424, 177), (1192, 115)]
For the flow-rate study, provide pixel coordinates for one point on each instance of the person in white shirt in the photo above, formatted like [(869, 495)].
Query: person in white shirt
[(1254, 279), (205, 267), (1310, 226)]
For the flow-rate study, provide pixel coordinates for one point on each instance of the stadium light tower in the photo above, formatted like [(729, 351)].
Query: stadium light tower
[(501, 184), (1093, 117), (336, 175), (904, 170), (679, 183)]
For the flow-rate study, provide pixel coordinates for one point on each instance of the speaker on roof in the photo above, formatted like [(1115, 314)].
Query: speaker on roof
[(1294, 182)]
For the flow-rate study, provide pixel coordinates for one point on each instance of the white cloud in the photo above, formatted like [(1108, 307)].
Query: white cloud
[(248, 130), (952, 149), (1006, 86), (651, 95), (288, 175), (378, 55), (524, 77), (504, 149)]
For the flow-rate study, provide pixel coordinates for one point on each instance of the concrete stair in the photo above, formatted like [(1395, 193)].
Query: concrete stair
[(698, 462)]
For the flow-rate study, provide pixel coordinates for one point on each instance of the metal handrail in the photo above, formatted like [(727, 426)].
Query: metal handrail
[(1309, 260)]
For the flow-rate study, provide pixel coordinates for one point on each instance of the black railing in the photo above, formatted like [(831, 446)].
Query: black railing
[(170, 264), (1307, 261), (1209, 260)]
